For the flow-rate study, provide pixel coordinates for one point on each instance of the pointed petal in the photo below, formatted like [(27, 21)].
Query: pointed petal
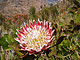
[(35, 26), (25, 31), (18, 35), (31, 26), (49, 24), (46, 25), (38, 19), (29, 29), (52, 38), (23, 49), (50, 41), (25, 25), (42, 24), (52, 32), (44, 48), (20, 31), (21, 45), (34, 22), (49, 30), (17, 39), (38, 22), (40, 28)]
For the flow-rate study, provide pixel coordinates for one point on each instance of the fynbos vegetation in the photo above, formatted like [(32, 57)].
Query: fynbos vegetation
[(55, 37)]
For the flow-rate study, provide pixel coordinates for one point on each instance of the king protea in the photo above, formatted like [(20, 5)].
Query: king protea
[(35, 38)]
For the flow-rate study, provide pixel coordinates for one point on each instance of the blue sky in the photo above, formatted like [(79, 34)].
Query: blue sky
[(53, 1)]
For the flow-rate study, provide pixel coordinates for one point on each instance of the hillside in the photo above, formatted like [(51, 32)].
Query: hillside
[(11, 7)]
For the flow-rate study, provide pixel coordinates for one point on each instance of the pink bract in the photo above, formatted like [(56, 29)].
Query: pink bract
[(36, 38)]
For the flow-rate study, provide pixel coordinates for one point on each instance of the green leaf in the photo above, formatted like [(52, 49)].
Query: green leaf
[(19, 53), (60, 23), (7, 38), (5, 47), (60, 40), (4, 44), (77, 17), (79, 1), (10, 39), (2, 41)]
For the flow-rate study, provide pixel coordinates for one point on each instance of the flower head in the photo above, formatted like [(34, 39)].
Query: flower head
[(36, 38)]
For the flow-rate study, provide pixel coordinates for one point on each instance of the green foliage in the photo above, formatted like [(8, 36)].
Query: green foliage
[(54, 12), (48, 13), (32, 13), (77, 17), (5, 41), (45, 13), (0, 19)]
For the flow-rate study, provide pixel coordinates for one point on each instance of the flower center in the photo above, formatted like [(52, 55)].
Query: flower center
[(34, 34), (35, 39)]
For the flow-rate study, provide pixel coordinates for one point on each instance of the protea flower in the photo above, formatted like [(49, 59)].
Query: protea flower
[(35, 38)]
